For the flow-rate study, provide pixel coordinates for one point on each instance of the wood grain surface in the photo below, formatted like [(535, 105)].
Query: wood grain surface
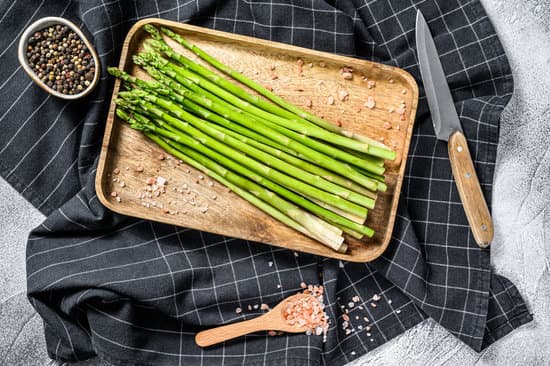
[(228, 214), (469, 189)]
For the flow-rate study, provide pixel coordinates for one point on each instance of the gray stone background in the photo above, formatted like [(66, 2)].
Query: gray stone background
[(520, 209)]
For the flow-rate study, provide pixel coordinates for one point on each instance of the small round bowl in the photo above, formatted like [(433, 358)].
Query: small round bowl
[(44, 23)]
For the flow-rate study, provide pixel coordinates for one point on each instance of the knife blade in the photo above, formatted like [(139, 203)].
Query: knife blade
[(447, 127)]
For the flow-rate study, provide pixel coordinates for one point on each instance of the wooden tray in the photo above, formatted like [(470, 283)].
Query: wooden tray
[(227, 213)]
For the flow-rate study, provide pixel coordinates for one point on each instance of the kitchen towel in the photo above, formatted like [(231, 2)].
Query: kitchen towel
[(134, 292)]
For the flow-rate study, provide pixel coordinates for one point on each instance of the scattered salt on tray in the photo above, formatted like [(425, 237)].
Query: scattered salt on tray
[(309, 311)]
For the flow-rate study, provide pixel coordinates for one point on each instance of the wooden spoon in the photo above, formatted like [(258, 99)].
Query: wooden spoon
[(272, 320)]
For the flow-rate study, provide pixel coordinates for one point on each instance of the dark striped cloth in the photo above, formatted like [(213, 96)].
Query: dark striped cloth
[(135, 292)]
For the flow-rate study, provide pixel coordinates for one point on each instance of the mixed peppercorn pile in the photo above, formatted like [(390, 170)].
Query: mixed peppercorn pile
[(61, 59)]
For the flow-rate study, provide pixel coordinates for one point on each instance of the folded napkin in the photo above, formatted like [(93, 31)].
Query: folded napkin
[(135, 292)]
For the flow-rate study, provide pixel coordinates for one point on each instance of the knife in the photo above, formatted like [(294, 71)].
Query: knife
[(448, 128)]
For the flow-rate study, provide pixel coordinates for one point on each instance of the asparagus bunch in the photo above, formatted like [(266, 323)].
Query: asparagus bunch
[(307, 173)]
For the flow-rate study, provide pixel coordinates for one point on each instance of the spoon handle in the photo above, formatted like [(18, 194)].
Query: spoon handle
[(226, 332)]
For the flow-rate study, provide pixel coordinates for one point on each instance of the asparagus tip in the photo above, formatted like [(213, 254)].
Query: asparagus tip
[(153, 31), (114, 71)]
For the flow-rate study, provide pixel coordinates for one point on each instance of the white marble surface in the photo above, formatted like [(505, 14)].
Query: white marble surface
[(520, 208)]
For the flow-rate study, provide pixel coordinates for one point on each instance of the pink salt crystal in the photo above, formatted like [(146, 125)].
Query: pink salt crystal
[(272, 333), (373, 304), (401, 109), (370, 103), (345, 317), (391, 81), (264, 307), (150, 180), (113, 194), (347, 75), (303, 285), (343, 95)]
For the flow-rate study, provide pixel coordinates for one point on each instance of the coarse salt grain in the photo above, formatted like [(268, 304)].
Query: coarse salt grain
[(370, 103), (322, 64), (376, 297), (238, 310), (387, 125), (366, 319), (330, 100), (355, 298), (373, 304), (347, 75), (351, 304), (116, 171), (309, 103), (264, 307), (113, 194), (118, 199), (303, 285), (398, 311), (343, 95), (270, 264)]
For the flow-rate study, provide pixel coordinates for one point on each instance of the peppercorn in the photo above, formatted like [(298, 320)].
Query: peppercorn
[(60, 59)]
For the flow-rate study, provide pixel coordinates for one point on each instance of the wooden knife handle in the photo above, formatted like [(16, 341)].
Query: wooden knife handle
[(469, 189)]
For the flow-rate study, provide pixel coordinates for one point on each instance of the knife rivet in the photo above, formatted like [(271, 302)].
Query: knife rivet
[(459, 149), (484, 227), (467, 175)]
